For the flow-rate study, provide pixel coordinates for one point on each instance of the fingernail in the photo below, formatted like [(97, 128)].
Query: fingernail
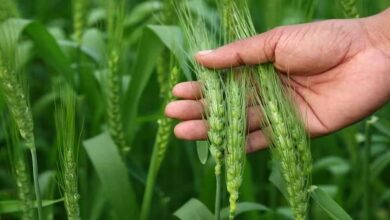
[(204, 52)]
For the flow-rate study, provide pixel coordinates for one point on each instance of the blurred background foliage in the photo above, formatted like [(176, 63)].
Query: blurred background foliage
[(338, 158)]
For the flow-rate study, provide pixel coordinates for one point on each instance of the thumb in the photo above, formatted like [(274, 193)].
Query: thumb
[(251, 51)]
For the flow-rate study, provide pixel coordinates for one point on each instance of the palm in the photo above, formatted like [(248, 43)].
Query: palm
[(340, 82)]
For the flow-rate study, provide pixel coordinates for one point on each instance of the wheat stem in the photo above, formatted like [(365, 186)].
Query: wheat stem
[(367, 214), (36, 181)]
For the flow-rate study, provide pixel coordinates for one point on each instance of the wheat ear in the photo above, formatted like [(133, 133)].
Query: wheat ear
[(116, 11), (68, 150)]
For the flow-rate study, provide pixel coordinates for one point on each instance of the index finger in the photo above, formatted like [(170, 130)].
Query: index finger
[(251, 51)]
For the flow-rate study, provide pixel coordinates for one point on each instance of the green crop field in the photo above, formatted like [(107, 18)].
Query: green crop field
[(83, 135)]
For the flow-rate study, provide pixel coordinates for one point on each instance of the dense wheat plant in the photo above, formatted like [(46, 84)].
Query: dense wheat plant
[(198, 39), (68, 150)]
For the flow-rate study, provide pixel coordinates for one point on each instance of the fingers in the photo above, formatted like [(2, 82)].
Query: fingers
[(256, 141), (191, 130), (192, 90), (193, 110), (197, 130), (185, 110), (250, 51), (254, 118), (187, 90)]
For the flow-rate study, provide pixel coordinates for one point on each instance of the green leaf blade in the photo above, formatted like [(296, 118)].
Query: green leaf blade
[(194, 210), (113, 175), (328, 204)]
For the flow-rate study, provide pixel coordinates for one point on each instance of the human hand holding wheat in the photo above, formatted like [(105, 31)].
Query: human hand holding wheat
[(338, 70)]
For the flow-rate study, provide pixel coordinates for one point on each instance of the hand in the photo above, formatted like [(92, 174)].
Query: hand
[(339, 71)]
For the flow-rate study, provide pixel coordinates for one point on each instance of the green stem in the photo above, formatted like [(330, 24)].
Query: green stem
[(366, 172), (218, 197), (150, 182), (36, 181)]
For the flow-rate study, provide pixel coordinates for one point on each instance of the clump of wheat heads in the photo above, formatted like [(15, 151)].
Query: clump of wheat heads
[(289, 142), (199, 38), (350, 9), (68, 151), (116, 14), (16, 99)]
